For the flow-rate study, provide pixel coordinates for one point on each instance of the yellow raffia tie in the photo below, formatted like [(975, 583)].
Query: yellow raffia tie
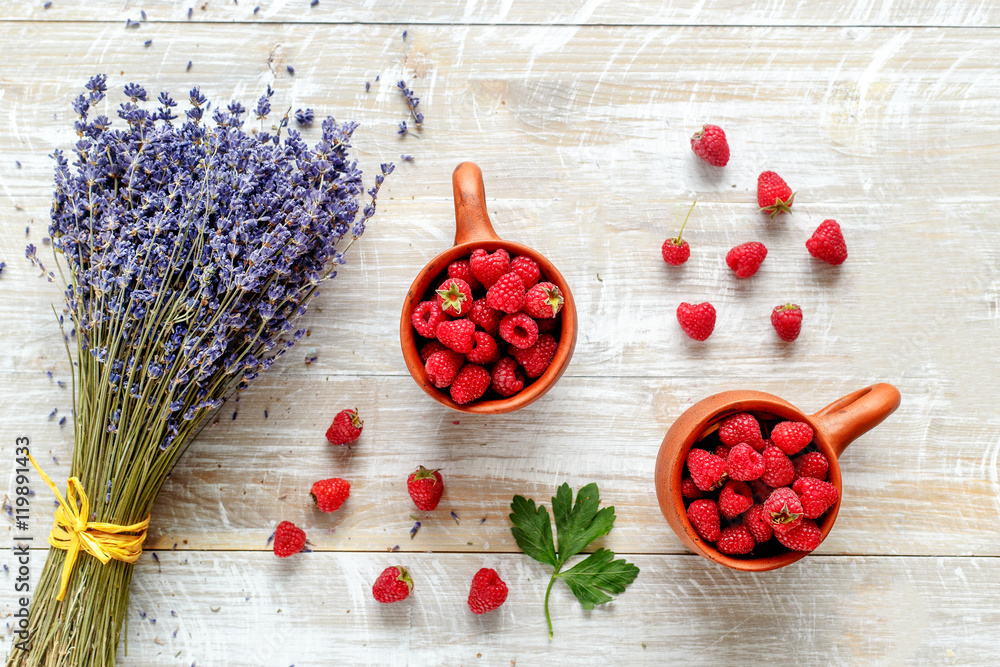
[(72, 532)]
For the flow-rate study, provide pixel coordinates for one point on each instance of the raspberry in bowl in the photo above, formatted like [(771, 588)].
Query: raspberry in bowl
[(749, 481), (488, 326)]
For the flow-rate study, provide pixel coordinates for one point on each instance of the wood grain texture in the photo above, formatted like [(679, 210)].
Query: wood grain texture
[(581, 128)]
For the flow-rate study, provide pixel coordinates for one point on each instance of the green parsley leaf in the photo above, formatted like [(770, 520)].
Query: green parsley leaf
[(579, 523)]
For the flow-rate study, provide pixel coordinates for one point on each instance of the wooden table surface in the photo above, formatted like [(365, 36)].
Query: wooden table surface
[(883, 115)]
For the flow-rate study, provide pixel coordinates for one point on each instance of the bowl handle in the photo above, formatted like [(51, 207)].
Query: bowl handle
[(848, 418), (471, 220)]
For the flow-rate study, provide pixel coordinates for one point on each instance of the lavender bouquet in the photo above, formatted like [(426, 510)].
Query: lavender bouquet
[(190, 249)]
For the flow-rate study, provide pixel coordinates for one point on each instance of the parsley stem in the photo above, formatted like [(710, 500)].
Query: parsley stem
[(548, 590)]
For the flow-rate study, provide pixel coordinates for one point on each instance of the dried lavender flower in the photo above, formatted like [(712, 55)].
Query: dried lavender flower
[(406, 158), (291, 70), (304, 116), (412, 101), (402, 129)]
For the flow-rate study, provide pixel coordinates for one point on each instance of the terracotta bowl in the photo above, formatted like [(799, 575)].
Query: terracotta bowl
[(474, 230), (835, 426)]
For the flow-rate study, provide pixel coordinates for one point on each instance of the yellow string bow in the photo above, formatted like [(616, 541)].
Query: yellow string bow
[(72, 531)]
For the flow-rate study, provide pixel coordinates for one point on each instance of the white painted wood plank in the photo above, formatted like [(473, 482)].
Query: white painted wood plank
[(932, 13), (316, 609)]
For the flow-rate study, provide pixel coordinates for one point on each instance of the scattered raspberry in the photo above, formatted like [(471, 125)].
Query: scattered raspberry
[(536, 359), (784, 509), (746, 258), (506, 294), (528, 269), (743, 427), (675, 251), (791, 437), (430, 348), (288, 539), (735, 540), (425, 488), (787, 321), (690, 490), (697, 320), (816, 495), (507, 379), (488, 591), (758, 523), (454, 296), (330, 494), (735, 499), (393, 585), (744, 463), (486, 318), (704, 516), (488, 267), (710, 145), (827, 243), (773, 194), (811, 464), (426, 317), (485, 350), (461, 269), (542, 301), (458, 335), (707, 470), (346, 428), (519, 330), (806, 536), (443, 366), (778, 468), (470, 383)]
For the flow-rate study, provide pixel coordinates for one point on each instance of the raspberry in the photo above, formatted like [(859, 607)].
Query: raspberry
[(791, 437), (443, 366), (827, 243), (488, 267), (707, 470), (761, 491), (506, 294), (743, 463), (806, 536), (458, 335), (704, 516), (697, 320), (461, 269), (736, 540), (744, 428), (778, 468), (507, 379), (734, 499), (536, 359), (426, 317), (528, 269), (485, 350), (542, 301), (746, 258), (346, 428), (488, 591), (393, 585), (811, 464), (519, 330), (710, 145), (758, 523), (470, 383), (454, 296), (816, 495), (430, 348), (787, 321), (773, 194), (722, 451), (330, 494), (547, 325), (425, 488), (784, 509), (690, 490), (675, 251), (486, 318), (288, 539)]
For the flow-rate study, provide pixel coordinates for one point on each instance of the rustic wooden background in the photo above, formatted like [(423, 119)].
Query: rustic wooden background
[(883, 115)]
